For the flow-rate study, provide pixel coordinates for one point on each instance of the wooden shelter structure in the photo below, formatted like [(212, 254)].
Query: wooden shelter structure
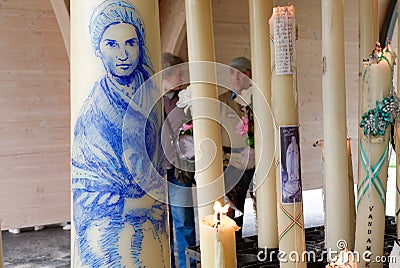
[(35, 100)]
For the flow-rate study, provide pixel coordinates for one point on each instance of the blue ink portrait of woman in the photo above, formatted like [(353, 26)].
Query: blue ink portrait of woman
[(117, 145)]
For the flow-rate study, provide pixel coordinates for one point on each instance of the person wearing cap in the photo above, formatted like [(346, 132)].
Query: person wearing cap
[(239, 160), (115, 165)]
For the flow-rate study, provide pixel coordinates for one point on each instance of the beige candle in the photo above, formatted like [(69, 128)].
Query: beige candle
[(351, 196), (284, 107), (369, 29), (397, 141), (205, 109), (335, 129), (369, 35), (373, 167), (118, 196), (260, 11), (352, 203), (1, 249), (219, 247)]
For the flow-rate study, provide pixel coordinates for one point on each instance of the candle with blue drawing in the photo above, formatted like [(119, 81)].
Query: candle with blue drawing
[(118, 192)]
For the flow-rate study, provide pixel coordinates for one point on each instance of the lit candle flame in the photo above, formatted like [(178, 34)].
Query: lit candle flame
[(218, 210)]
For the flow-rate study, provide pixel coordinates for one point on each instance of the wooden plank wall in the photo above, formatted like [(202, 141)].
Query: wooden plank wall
[(34, 99), (232, 39), (34, 116)]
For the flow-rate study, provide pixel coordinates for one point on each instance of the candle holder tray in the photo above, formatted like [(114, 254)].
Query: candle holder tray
[(250, 256)]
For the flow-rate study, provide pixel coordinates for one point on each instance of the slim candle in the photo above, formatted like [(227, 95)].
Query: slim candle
[(205, 107), (267, 228), (118, 192), (334, 125), (397, 142), (1, 249), (205, 110), (287, 157), (397, 210), (369, 34), (352, 223), (373, 167), (352, 203)]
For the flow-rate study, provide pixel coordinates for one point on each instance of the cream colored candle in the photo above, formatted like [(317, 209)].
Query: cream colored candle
[(369, 29), (267, 231), (335, 129), (219, 247), (205, 108), (1, 249), (284, 107), (118, 196), (373, 167), (352, 222), (397, 141), (369, 35), (352, 203)]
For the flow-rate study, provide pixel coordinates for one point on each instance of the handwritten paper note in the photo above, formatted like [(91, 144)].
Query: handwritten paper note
[(284, 37)]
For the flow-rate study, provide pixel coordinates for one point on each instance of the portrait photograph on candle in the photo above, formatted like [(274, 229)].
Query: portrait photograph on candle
[(290, 164)]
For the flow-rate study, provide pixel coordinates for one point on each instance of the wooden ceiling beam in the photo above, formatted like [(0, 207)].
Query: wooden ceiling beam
[(61, 10), (172, 25)]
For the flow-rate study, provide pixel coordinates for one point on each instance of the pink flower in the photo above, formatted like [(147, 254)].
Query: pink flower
[(186, 127), (242, 127)]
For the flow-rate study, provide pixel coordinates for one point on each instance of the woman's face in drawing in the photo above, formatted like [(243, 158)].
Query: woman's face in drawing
[(119, 49)]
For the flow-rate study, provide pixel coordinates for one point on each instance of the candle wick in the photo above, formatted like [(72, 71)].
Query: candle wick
[(218, 217)]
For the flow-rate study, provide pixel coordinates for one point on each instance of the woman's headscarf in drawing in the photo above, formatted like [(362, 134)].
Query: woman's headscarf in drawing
[(119, 11)]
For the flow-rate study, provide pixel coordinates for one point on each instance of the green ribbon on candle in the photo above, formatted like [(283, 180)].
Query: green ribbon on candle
[(372, 176)]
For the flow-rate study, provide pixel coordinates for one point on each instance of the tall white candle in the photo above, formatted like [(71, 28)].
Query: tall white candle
[(397, 133), (335, 129), (267, 228), (205, 108), (373, 167), (1, 249), (369, 35), (284, 107), (397, 144), (118, 196), (352, 203), (352, 208)]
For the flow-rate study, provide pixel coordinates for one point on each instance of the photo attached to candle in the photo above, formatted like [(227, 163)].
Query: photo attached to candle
[(290, 165)]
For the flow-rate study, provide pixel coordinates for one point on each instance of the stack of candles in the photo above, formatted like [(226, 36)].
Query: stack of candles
[(218, 234)]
